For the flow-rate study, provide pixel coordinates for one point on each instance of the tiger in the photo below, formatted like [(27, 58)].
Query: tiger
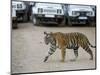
[(72, 40)]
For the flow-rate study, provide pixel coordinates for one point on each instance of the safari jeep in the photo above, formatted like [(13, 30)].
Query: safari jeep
[(21, 11), (47, 13), (80, 14), (14, 18)]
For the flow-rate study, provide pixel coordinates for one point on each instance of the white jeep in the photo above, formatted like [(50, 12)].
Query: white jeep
[(80, 14), (47, 13)]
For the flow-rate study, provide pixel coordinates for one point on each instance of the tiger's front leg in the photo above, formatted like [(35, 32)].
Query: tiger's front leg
[(63, 53), (50, 52)]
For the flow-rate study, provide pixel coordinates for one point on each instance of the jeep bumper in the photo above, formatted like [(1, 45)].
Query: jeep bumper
[(81, 20), (51, 19)]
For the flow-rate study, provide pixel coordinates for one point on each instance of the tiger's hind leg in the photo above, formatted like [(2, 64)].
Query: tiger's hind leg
[(63, 53), (75, 53), (89, 51)]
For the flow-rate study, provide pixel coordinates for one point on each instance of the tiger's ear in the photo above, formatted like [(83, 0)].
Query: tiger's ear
[(45, 33)]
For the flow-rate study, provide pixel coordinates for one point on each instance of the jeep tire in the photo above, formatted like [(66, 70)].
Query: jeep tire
[(34, 20), (25, 18), (69, 22)]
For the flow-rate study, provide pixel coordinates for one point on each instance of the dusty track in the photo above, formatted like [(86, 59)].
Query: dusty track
[(29, 50)]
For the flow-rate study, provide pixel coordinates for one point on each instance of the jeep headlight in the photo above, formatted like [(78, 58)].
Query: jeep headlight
[(89, 13), (19, 5), (59, 11), (40, 10), (75, 13)]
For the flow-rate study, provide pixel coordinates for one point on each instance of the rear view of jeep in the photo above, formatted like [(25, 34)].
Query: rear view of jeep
[(80, 14)]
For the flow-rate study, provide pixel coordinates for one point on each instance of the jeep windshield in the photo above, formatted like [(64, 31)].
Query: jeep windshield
[(49, 5), (79, 7)]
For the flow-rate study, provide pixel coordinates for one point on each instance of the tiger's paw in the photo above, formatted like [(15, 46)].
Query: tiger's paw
[(46, 58)]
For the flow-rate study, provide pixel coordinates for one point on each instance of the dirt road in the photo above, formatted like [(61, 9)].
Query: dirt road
[(29, 50)]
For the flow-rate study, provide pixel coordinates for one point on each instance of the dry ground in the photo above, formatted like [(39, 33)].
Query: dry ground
[(29, 50)]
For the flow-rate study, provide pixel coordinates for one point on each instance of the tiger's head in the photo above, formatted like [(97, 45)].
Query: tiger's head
[(48, 38)]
